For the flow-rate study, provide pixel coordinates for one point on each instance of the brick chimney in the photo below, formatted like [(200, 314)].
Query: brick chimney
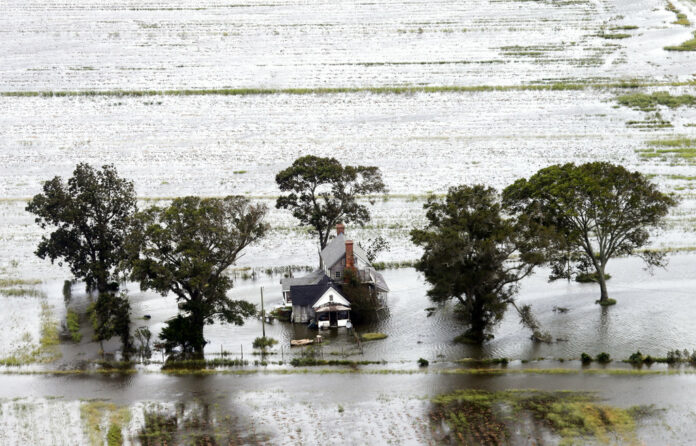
[(340, 229), (350, 259)]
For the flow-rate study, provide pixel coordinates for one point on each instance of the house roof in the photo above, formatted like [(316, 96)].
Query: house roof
[(310, 279), (336, 249), (303, 295)]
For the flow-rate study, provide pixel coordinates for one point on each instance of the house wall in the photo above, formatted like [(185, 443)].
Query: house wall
[(302, 314)]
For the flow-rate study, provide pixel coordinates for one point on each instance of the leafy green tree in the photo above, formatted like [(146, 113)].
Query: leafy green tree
[(322, 193), (90, 217), (596, 211), (475, 255), (111, 317), (185, 249)]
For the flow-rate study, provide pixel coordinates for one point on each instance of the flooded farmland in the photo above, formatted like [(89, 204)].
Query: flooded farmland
[(213, 98)]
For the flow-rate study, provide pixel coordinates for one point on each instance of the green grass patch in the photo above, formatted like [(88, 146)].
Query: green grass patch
[(6, 283), (21, 292), (678, 141), (689, 45), (682, 19), (372, 336), (104, 420), (73, 322), (649, 102), (615, 36), (558, 86), (623, 28), (606, 303), (482, 417)]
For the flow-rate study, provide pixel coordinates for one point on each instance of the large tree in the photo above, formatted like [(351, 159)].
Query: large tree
[(596, 211), (185, 249), (322, 193), (476, 255), (90, 217)]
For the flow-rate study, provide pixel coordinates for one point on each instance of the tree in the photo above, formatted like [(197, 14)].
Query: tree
[(473, 254), (91, 216), (323, 193), (111, 317), (373, 247), (185, 249), (596, 211)]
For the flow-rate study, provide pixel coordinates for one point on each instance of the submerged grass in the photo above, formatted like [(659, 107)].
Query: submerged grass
[(559, 86), (682, 19), (104, 421), (372, 336), (679, 148), (482, 417), (689, 45), (73, 322), (649, 102), (21, 292)]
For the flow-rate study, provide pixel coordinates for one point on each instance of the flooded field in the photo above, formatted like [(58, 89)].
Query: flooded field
[(214, 98)]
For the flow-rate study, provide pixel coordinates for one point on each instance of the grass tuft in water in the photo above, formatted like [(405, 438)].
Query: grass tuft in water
[(482, 417)]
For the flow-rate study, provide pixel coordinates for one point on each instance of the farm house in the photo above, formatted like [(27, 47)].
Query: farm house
[(317, 297)]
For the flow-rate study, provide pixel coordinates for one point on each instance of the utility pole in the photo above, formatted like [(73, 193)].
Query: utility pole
[(263, 316)]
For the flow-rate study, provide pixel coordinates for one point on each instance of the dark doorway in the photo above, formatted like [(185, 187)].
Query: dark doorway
[(333, 319)]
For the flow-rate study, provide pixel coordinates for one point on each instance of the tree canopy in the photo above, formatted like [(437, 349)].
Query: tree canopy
[(475, 255), (322, 193), (185, 249), (595, 211), (90, 217)]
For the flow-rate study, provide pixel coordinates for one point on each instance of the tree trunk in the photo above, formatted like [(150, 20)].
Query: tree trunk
[(477, 330), (197, 340), (604, 296)]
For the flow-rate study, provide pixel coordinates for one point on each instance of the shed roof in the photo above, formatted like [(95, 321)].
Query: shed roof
[(304, 295), (310, 279)]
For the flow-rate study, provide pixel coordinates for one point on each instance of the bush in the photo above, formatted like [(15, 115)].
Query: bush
[(603, 358), (585, 358), (264, 343), (422, 362), (590, 277), (636, 358)]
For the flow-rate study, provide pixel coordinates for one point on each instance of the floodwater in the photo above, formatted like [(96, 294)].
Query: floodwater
[(361, 409), (655, 313), (213, 145)]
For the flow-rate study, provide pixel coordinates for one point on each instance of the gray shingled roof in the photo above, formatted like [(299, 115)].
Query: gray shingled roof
[(310, 279), (336, 249)]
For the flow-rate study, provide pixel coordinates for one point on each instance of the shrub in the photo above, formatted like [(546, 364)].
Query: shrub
[(585, 358), (636, 358), (264, 343), (422, 362), (603, 358)]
